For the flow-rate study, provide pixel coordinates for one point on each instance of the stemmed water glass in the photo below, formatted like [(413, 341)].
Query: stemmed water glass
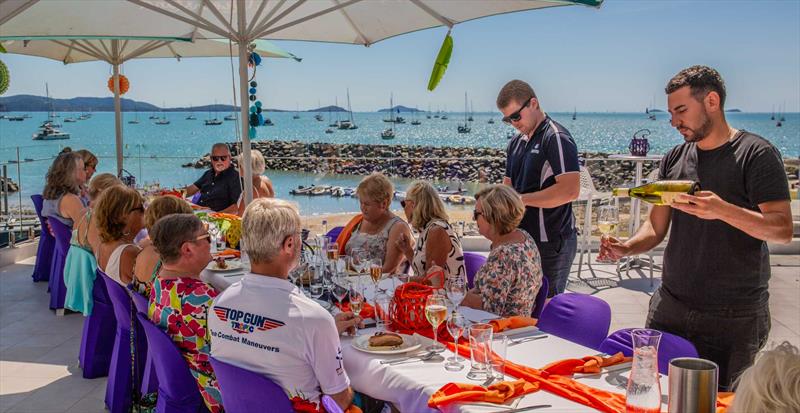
[(358, 259), (456, 289), (607, 221), (340, 287), (435, 312), (356, 297), (456, 325)]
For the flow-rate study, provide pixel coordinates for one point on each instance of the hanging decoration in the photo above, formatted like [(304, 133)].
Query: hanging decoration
[(256, 118), (124, 84), (5, 77), (442, 60)]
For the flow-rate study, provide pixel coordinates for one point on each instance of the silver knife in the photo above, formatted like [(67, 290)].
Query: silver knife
[(525, 409)]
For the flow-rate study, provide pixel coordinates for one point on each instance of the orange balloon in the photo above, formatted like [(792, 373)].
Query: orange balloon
[(124, 84)]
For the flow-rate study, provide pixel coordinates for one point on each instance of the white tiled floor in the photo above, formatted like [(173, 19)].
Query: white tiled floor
[(39, 351)]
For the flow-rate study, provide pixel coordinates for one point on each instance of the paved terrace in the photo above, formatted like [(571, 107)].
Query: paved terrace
[(39, 351)]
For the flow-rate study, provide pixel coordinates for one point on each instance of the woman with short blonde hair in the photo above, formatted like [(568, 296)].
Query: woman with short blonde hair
[(148, 263), (262, 185), (379, 229), (119, 216), (508, 282), (438, 245), (771, 384)]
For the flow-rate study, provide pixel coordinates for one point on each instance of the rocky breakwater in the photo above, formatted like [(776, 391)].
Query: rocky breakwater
[(468, 164), (7, 183)]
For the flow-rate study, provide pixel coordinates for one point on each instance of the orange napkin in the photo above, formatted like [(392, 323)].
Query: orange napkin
[(588, 364), (367, 310), (724, 401), (230, 253), (517, 321), (496, 393), (223, 215)]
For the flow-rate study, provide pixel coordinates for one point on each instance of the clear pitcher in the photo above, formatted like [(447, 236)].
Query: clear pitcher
[(644, 388)]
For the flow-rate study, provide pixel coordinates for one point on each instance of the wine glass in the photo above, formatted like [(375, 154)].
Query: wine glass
[(456, 325), (214, 231), (382, 303), (456, 289), (607, 221), (316, 284), (333, 251), (358, 258), (356, 297), (340, 287), (435, 312)]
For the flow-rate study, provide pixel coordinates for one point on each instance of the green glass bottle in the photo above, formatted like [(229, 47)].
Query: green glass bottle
[(659, 192)]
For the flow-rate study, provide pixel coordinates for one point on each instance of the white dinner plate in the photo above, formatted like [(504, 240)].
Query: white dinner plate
[(361, 343), (231, 265)]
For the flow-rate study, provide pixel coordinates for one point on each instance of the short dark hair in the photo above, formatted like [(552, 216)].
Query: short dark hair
[(515, 90), (701, 80), (171, 232)]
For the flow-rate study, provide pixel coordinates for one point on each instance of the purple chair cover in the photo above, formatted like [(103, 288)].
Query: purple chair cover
[(97, 344), (579, 318), (195, 198), (541, 296), (242, 389), (47, 244), (472, 263), (58, 291), (177, 388), (671, 347), (149, 377), (119, 386)]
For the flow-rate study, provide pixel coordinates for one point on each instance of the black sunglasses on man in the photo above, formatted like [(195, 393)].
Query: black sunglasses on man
[(516, 116)]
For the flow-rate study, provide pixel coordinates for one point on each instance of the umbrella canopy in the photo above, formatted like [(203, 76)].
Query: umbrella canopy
[(362, 22), (117, 50)]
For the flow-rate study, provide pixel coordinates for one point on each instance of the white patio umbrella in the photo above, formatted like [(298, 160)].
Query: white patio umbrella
[(116, 51), (363, 22)]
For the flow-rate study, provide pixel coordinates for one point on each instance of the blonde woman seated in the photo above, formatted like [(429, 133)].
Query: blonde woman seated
[(508, 282), (119, 216), (380, 229), (772, 384), (81, 264), (438, 244), (262, 186), (148, 262)]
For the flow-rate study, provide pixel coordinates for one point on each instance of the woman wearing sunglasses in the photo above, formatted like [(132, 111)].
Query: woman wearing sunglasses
[(220, 186), (438, 243), (119, 215), (508, 282)]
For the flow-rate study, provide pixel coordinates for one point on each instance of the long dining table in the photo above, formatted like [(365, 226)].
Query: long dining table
[(408, 386)]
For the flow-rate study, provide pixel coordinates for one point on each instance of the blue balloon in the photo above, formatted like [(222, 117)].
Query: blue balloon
[(258, 103), (252, 133), (256, 58), (252, 91), (253, 109)]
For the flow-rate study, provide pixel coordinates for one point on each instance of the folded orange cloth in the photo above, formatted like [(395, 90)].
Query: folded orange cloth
[(588, 364), (223, 215), (367, 311), (517, 321), (496, 393), (724, 401), (229, 253)]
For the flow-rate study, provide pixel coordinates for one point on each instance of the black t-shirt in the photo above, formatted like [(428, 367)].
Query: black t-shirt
[(220, 191), (532, 165), (710, 264)]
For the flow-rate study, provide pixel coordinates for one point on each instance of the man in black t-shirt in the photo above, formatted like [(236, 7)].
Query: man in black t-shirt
[(542, 166), (219, 186), (716, 263)]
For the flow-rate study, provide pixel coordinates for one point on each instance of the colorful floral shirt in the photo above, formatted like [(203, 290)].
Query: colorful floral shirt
[(180, 307), (510, 279)]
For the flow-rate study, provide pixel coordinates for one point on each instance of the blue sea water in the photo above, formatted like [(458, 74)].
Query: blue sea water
[(155, 152)]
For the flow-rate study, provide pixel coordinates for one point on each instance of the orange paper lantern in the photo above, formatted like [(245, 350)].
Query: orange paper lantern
[(124, 84)]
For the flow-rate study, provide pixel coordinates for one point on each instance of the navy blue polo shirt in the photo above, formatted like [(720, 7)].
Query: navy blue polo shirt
[(532, 165), (218, 192)]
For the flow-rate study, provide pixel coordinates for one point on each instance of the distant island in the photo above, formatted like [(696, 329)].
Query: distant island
[(400, 108), (330, 108), (656, 111), (31, 103), (733, 110)]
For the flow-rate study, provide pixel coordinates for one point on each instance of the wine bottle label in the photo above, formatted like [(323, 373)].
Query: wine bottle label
[(669, 198)]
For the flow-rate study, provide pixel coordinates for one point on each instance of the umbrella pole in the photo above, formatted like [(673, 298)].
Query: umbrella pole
[(244, 109), (117, 111)]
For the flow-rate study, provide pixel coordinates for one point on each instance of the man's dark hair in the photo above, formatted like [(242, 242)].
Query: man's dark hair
[(701, 80)]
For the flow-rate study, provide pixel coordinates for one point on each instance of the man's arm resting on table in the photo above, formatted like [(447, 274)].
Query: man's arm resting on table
[(191, 190), (651, 233), (565, 190)]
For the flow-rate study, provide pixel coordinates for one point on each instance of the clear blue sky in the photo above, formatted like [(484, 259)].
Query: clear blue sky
[(617, 58)]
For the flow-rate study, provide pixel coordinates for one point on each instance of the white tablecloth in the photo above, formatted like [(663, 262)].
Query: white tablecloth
[(409, 386)]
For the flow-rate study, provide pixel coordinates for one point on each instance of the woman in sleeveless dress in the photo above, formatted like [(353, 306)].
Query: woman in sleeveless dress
[(262, 186), (438, 244), (62, 191), (380, 229), (148, 263), (119, 216)]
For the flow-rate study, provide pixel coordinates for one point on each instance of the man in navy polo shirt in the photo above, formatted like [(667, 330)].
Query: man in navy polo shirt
[(542, 166)]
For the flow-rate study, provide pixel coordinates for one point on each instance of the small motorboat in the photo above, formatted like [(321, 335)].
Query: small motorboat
[(162, 122), (387, 134), (213, 122), (329, 130), (69, 120), (455, 199), (230, 117)]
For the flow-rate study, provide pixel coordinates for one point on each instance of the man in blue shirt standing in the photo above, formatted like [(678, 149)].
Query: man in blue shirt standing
[(542, 166)]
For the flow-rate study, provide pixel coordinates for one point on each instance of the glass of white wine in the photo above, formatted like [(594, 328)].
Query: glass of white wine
[(607, 221), (435, 312), (356, 298)]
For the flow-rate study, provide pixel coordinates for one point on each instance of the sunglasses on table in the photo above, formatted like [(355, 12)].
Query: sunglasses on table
[(516, 116), (219, 158)]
